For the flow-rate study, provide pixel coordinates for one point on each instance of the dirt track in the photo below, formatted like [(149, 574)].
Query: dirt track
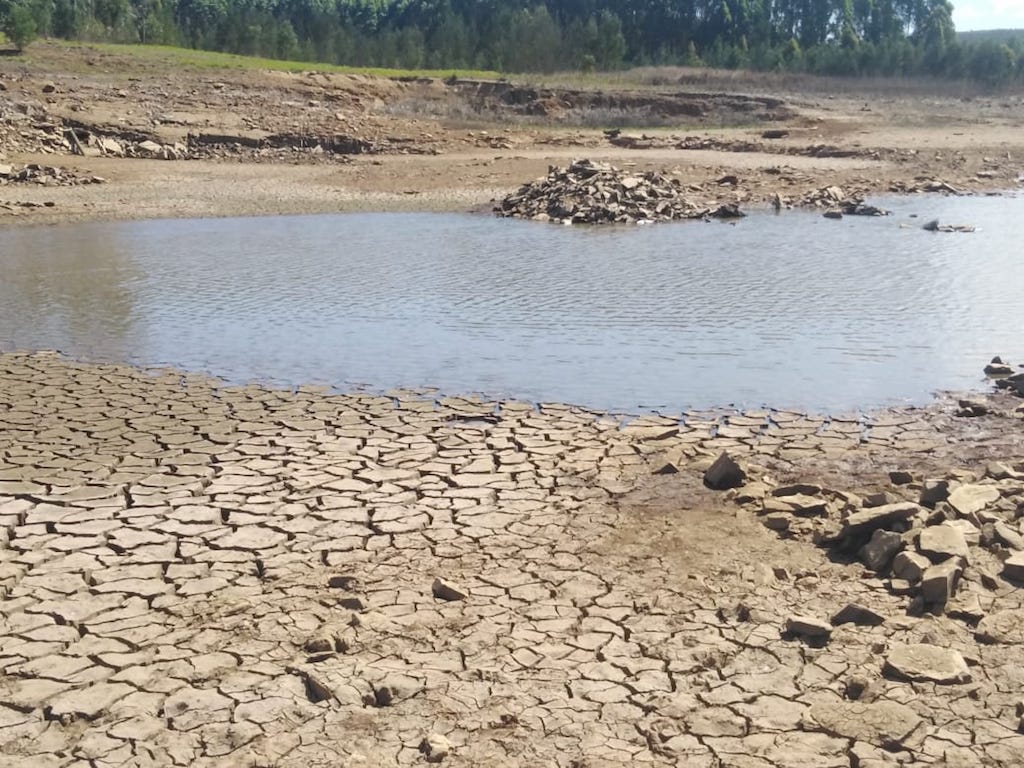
[(262, 142)]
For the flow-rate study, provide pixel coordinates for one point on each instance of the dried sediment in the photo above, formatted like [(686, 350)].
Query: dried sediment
[(196, 574), (588, 192)]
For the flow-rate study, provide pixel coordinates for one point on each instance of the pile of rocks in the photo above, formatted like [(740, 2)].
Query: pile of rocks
[(45, 175), (837, 203), (926, 539), (25, 127), (1006, 377), (596, 193)]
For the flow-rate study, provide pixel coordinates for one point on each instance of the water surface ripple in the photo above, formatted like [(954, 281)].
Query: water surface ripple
[(790, 311)]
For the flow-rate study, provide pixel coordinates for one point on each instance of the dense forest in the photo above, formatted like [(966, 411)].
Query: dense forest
[(835, 37)]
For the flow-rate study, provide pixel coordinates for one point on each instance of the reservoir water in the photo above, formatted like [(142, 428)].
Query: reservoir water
[(788, 310)]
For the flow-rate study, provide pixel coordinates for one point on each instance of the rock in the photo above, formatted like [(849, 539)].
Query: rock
[(998, 368), (833, 214), (110, 146), (725, 473), (886, 724), (879, 552), (971, 499), (447, 592), (998, 471), (920, 662), (910, 566), (972, 409), (931, 226), (939, 582), (941, 542), (1007, 536), (808, 627), (933, 492), (1013, 568), (856, 686), (49, 88), (435, 748), (149, 148), (859, 615), (868, 520), (1002, 628), (900, 477)]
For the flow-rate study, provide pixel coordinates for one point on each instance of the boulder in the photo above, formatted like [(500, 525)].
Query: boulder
[(1013, 568), (920, 662), (942, 542), (1003, 628), (933, 492), (878, 553), (859, 615), (971, 499), (725, 473), (910, 566), (939, 582)]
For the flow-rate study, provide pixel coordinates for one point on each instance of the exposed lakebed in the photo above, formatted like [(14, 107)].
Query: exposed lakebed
[(790, 310)]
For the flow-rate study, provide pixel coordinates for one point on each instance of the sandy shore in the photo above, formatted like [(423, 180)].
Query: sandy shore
[(203, 575)]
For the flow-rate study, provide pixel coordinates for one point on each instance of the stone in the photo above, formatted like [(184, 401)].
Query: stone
[(933, 492), (939, 582), (724, 474), (1001, 628), (941, 542), (869, 520), (149, 148), (920, 662), (808, 627), (435, 748), (900, 477), (886, 724), (446, 592), (998, 367), (1007, 536), (879, 552), (859, 615), (971, 499), (1013, 568), (910, 565)]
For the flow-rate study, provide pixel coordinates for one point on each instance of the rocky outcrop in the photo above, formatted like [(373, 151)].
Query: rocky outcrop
[(587, 192)]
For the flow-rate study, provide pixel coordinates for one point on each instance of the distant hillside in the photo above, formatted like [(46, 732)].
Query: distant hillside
[(995, 35)]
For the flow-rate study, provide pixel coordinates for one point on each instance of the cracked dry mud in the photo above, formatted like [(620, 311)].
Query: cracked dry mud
[(196, 574)]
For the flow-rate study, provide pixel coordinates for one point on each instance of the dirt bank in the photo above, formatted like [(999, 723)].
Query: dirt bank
[(200, 575), (210, 142)]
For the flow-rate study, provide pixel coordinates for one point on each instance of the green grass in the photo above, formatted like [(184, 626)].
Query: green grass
[(190, 57)]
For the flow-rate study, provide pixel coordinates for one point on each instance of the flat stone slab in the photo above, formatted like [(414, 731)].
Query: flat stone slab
[(886, 724), (1002, 628), (920, 662), (969, 499), (941, 542)]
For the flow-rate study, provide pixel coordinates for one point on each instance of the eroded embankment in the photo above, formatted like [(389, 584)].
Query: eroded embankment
[(204, 575)]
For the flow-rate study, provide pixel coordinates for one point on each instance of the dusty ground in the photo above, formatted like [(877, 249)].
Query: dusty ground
[(438, 145), (200, 575)]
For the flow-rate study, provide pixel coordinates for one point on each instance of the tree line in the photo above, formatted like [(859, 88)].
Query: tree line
[(835, 37)]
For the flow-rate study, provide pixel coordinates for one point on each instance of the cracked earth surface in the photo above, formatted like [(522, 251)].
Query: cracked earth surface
[(196, 574)]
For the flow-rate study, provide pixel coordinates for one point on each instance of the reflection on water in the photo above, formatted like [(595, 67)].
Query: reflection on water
[(790, 310)]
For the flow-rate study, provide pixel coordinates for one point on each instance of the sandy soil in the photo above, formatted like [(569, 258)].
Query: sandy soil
[(433, 145)]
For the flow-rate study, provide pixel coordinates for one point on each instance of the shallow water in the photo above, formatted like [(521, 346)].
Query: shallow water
[(788, 310)]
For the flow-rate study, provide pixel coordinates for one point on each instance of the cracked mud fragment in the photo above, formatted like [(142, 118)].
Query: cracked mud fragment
[(196, 574)]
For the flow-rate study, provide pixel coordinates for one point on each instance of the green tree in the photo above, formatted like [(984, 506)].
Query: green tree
[(19, 25)]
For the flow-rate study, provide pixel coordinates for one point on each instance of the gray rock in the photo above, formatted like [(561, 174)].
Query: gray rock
[(808, 627), (939, 583), (900, 477), (447, 592), (941, 542), (879, 552), (725, 473), (1003, 628), (933, 492), (1007, 536), (910, 566), (435, 747), (920, 662), (1013, 568), (869, 520), (859, 615), (971, 499)]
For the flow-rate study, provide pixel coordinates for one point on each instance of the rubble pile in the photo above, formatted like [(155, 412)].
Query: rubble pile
[(838, 203), (596, 193), (45, 175)]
